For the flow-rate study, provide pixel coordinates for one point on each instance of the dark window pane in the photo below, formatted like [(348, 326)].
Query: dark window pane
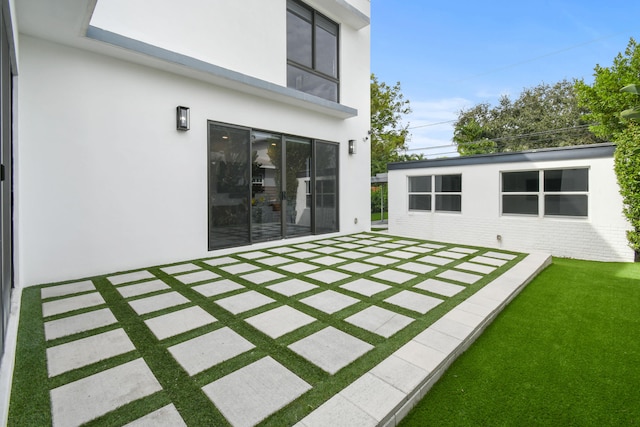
[(448, 184), (326, 47), (310, 83), (566, 180), (520, 204), (420, 184), (566, 205), (520, 181), (419, 202), (326, 197), (299, 40), (449, 202)]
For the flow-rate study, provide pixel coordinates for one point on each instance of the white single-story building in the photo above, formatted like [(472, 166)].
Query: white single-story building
[(138, 133), (564, 201)]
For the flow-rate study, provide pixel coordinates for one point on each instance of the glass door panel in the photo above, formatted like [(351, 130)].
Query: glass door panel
[(326, 187), (297, 179), (229, 186), (266, 184)]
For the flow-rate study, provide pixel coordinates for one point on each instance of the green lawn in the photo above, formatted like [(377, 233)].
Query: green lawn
[(565, 352), (376, 216)]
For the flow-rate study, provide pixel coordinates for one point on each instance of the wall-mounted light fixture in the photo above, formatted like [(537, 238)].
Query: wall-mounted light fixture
[(352, 146), (182, 118)]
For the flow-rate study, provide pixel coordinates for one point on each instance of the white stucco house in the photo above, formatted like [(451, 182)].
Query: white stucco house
[(564, 201), (103, 174)]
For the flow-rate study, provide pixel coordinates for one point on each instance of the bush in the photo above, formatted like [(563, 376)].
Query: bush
[(627, 167), (378, 193)]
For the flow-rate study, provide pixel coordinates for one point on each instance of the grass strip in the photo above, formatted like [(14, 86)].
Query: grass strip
[(564, 352)]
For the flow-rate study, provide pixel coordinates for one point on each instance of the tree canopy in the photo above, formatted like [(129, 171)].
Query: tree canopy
[(542, 116), (388, 133)]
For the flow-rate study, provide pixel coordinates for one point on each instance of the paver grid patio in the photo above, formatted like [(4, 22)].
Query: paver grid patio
[(264, 335)]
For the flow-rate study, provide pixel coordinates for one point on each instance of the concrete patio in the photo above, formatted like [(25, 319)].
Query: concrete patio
[(347, 330)]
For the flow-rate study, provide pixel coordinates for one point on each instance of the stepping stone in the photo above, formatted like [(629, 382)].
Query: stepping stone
[(406, 242), (178, 322), (245, 301), (68, 289), (390, 245), (282, 250), (329, 301), (128, 291), (366, 242), (379, 321), (203, 352), (181, 268), (416, 267), (381, 260), (345, 239), (382, 239), (348, 246), (430, 259), (394, 276), (131, 277), (280, 321), (328, 276), (464, 250), (302, 254), (167, 416), (65, 305), (76, 354), (459, 276), (291, 287), (263, 276), (477, 268), (328, 250), (157, 302), (431, 246), (214, 262), (352, 255), (253, 255), (372, 249), (358, 267), (307, 246), (81, 401), (414, 301), (489, 260), (500, 255), (250, 394), (298, 267), (402, 254), (78, 323), (418, 249), (217, 288), (449, 254), (274, 260), (328, 260), (197, 276), (239, 268), (330, 349), (365, 287), (440, 287), (327, 242)]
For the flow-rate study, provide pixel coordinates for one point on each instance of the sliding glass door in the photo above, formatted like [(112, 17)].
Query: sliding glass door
[(261, 186)]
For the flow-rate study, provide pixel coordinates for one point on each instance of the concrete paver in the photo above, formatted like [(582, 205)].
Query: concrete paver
[(262, 276), (157, 302), (197, 276), (68, 289), (180, 268), (394, 276), (328, 276), (365, 287), (292, 287), (167, 416), (478, 268), (65, 305), (180, 321), (131, 277), (329, 301), (128, 291), (217, 288), (79, 323), (244, 302), (379, 321), (440, 287), (459, 276), (280, 321), (414, 301), (432, 259), (357, 267)]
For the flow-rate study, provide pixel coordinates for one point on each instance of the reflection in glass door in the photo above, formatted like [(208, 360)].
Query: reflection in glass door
[(229, 171), (297, 179), (326, 187), (266, 193)]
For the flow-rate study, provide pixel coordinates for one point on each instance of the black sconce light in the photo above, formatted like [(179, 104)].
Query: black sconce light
[(352, 146), (182, 118)]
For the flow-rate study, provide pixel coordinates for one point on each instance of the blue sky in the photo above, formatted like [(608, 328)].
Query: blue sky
[(453, 55)]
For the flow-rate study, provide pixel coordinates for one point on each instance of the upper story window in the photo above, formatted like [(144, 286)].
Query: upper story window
[(556, 192), (445, 189), (312, 52)]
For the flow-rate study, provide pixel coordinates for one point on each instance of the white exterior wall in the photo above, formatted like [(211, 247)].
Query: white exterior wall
[(105, 182), (601, 236)]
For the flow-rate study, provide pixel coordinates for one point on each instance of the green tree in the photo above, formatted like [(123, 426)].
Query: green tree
[(611, 99), (604, 99), (542, 116), (388, 133)]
